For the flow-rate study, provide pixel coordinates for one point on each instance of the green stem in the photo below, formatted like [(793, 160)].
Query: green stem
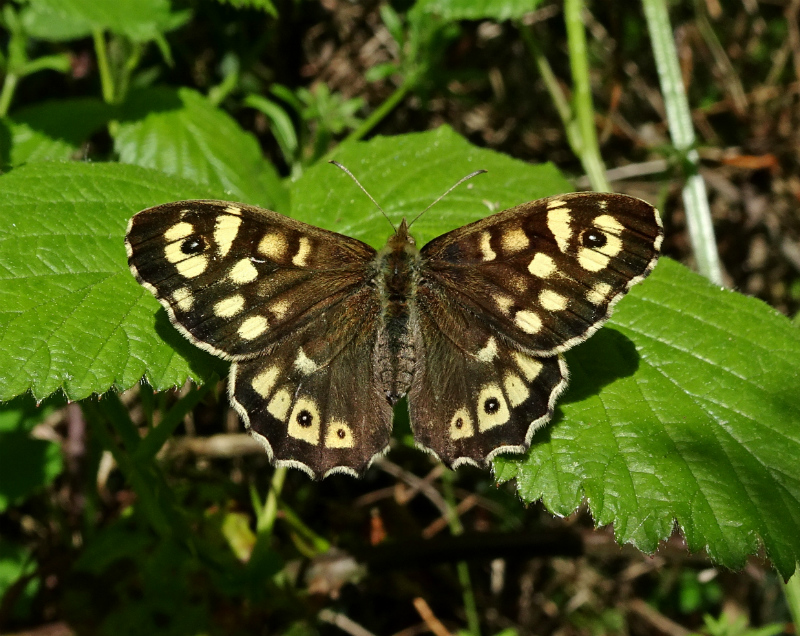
[(792, 592), (9, 85), (380, 112), (141, 482), (582, 96), (467, 593), (319, 545), (106, 79), (679, 119), (560, 100), (158, 436), (266, 519)]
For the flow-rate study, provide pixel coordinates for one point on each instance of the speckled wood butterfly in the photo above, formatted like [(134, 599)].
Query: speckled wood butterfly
[(325, 334)]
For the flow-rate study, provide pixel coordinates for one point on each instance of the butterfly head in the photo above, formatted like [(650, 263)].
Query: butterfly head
[(401, 239)]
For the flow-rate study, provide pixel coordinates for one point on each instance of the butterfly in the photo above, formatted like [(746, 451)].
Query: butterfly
[(325, 334)]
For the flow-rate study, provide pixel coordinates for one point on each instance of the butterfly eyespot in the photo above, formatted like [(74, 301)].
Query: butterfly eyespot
[(459, 423), (341, 434), (304, 418), (491, 405), (594, 239), (193, 245)]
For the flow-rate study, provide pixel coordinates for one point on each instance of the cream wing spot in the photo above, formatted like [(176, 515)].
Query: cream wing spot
[(300, 259), (273, 246), (592, 260), (229, 306), (515, 240), (192, 266), (516, 390), (253, 327), (504, 303), (559, 222), (489, 351), (232, 209), (528, 321), (461, 425), (182, 298), (530, 367), (487, 253), (304, 364), (598, 293), (279, 308), (339, 435), (278, 406), (264, 382), (243, 272), (225, 230), (552, 301), (178, 231), (304, 422), (542, 266), (491, 407)]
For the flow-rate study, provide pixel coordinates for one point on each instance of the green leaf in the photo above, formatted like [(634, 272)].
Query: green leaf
[(280, 124), (499, 10), (685, 409), (183, 134), (17, 561), (26, 464), (140, 20), (264, 5), (405, 174), (54, 130), (44, 21), (71, 315)]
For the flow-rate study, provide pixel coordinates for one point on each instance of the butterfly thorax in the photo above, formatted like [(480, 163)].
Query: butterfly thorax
[(396, 272)]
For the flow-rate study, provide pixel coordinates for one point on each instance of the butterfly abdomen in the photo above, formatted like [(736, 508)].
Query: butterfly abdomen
[(395, 357)]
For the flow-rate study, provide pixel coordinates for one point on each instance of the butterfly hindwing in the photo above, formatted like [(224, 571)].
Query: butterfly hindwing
[(468, 407), (546, 274), (313, 401), (236, 279)]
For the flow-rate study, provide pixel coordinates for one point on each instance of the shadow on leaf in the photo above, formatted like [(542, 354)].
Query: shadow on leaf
[(604, 358), (201, 363)]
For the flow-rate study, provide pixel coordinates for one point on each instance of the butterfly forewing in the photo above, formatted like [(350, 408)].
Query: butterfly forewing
[(236, 279), (546, 274)]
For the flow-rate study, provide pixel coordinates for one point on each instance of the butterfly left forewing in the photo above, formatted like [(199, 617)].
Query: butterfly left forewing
[(547, 274)]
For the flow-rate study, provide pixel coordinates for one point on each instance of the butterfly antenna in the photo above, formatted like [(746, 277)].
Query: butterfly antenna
[(358, 183), (449, 190)]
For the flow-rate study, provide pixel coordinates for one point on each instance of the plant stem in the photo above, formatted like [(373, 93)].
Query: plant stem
[(453, 520), (679, 119), (582, 96), (266, 520), (560, 100), (380, 112), (106, 80), (791, 591), (9, 85), (158, 436)]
